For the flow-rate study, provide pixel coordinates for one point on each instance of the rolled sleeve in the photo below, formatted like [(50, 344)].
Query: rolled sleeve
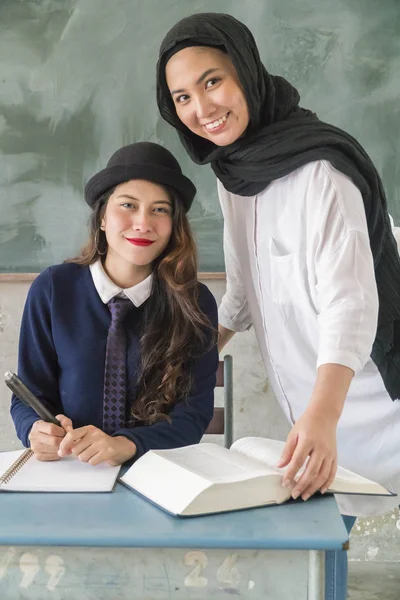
[(233, 313), (348, 303)]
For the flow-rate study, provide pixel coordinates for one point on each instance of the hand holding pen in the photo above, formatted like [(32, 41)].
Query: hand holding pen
[(48, 431), (45, 438), (49, 441)]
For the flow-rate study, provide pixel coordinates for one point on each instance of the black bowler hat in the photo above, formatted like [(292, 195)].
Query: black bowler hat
[(143, 160)]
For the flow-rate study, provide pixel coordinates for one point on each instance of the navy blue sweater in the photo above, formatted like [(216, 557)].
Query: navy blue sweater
[(62, 355)]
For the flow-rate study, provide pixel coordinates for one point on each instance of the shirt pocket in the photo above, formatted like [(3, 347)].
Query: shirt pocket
[(285, 276)]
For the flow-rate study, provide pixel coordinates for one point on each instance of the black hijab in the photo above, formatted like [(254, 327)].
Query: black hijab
[(280, 138)]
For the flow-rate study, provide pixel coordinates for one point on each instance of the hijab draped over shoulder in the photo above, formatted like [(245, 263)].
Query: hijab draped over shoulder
[(280, 138)]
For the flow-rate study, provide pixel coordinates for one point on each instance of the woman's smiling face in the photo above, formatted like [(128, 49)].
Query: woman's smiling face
[(207, 94), (137, 224)]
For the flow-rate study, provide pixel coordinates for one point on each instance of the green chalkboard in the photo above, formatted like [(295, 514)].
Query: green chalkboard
[(77, 81)]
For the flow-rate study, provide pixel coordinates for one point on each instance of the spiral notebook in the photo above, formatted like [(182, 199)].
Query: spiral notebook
[(20, 471)]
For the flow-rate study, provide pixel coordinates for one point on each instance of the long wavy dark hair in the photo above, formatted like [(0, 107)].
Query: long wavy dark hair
[(175, 331)]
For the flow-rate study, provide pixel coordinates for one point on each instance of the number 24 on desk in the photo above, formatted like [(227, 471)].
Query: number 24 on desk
[(227, 574)]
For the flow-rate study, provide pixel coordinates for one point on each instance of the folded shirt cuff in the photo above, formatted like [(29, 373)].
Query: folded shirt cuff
[(232, 324), (341, 357)]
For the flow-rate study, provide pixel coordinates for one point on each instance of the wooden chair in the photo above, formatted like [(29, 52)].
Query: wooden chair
[(222, 421)]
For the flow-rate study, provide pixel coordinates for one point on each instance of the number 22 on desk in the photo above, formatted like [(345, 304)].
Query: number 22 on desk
[(29, 567)]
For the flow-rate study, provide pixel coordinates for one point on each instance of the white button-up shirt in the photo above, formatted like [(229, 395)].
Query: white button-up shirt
[(300, 270)]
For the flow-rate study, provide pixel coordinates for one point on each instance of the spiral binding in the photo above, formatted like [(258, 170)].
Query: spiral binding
[(16, 466)]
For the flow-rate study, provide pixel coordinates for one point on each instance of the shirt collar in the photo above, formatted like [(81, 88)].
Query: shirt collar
[(107, 289)]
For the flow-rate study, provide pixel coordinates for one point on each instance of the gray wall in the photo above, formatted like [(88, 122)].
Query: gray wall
[(77, 81), (256, 412)]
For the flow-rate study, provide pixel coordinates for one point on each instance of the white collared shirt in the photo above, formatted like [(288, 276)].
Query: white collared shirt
[(300, 270), (107, 289)]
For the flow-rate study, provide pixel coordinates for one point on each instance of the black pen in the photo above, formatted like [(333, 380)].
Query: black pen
[(21, 391)]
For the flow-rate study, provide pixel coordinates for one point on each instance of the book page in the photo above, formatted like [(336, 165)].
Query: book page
[(215, 463), (264, 450), (352, 483), (65, 475), (202, 478), (344, 475), (268, 452), (164, 482)]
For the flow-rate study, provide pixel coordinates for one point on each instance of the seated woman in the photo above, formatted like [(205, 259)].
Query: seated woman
[(120, 342)]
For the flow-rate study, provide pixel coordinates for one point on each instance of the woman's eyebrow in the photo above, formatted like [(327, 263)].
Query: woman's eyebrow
[(127, 196), (200, 79)]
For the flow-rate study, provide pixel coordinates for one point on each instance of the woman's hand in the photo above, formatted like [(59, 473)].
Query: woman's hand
[(313, 437), (90, 444), (45, 438)]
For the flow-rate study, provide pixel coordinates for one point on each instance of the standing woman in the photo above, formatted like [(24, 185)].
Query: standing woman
[(119, 342), (310, 259)]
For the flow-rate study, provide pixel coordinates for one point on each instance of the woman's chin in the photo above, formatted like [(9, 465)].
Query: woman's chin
[(225, 138), (223, 143)]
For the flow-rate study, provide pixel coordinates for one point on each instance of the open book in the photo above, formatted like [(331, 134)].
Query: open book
[(207, 478), (20, 471)]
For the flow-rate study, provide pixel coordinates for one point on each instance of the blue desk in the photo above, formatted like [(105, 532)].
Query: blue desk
[(123, 547)]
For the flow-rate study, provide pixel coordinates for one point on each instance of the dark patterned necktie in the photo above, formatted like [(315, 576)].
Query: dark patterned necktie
[(114, 403)]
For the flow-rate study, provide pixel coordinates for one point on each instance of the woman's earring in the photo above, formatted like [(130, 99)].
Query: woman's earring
[(96, 244)]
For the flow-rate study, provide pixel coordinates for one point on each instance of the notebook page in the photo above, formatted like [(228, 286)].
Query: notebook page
[(65, 475), (8, 458)]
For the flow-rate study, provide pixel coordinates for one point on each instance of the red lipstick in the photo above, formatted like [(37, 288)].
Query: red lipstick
[(139, 241)]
